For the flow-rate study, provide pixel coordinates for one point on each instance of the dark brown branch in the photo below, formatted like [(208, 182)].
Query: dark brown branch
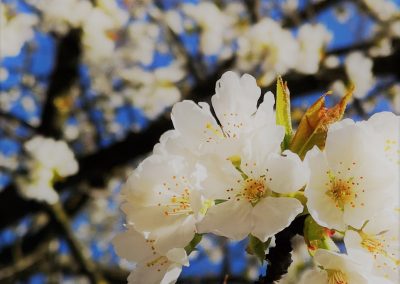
[(279, 257), (63, 77)]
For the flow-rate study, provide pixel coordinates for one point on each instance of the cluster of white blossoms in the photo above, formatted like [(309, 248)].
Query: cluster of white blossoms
[(230, 175), (49, 160), (276, 51), (16, 30)]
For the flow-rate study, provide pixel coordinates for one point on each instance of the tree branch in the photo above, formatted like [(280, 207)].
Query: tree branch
[(63, 77)]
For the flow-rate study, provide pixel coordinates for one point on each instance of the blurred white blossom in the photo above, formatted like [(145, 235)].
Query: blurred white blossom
[(312, 41), (268, 45), (49, 161), (359, 71), (16, 30)]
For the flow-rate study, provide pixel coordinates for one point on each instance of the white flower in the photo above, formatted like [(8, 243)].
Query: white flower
[(213, 24), (100, 31), (153, 91), (50, 160), (378, 242), (152, 267), (37, 185), (387, 126), (142, 42), (235, 105), (312, 40), (359, 71), (161, 197), (338, 269), (268, 45), (351, 179), (52, 155), (15, 31), (384, 10), (255, 197)]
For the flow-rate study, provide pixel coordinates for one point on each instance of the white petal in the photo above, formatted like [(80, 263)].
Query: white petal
[(314, 277), (265, 113), (321, 207), (231, 219), (271, 215), (178, 255), (196, 124), (287, 172), (132, 246), (176, 235)]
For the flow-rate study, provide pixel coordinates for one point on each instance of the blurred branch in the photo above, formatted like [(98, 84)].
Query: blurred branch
[(64, 75), (305, 15), (193, 64), (253, 7), (11, 118), (61, 220)]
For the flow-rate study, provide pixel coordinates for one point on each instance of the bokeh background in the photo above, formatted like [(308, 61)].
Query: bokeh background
[(102, 76)]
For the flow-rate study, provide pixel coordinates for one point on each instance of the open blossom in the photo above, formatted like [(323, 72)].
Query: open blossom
[(359, 71), (38, 185), (235, 106), (53, 155), (378, 243), (351, 178), (151, 266), (50, 160), (153, 91), (167, 203), (254, 194), (269, 45), (312, 40), (337, 268)]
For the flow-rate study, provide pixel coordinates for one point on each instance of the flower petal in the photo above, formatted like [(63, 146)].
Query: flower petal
[(271, 215), (230, 219)]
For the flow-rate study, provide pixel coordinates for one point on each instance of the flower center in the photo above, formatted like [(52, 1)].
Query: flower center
[(336, 277), (180, 205), (377, 247), (372, 245), (254, 190), (340, 191), (157, 263)]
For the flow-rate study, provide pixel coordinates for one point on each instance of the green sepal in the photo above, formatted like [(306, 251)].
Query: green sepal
[(283, 116), (193, 243), (257, 247)]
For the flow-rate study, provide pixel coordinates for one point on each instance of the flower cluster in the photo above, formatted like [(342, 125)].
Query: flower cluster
[(240, 173), (49, 160)]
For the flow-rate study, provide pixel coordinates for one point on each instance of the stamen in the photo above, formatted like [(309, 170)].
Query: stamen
[(336, 277)]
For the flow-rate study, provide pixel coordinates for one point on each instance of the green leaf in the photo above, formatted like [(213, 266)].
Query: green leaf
[(193, 243), (257, 247), (283, 116)]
